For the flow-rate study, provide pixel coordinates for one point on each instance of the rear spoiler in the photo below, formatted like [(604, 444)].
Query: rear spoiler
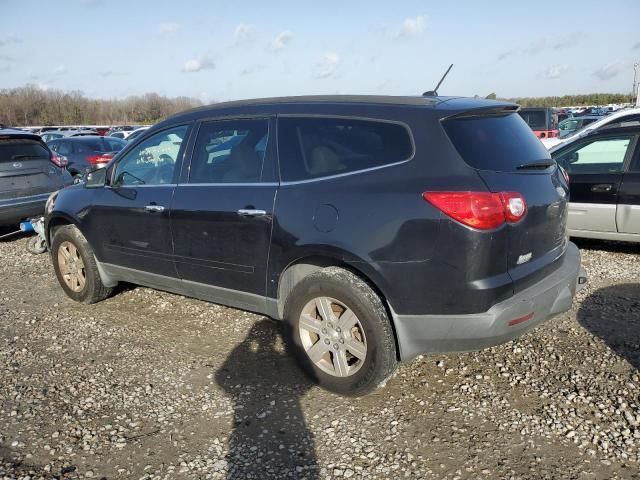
[(485, 112)]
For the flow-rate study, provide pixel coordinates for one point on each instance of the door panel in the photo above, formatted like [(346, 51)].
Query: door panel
[(132, 214), (130, 234), (221, 219), (595, 166), (628, 215)]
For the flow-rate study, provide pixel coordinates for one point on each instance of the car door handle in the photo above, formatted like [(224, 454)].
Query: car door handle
[(248, 212), (154, 208), (602, 188)]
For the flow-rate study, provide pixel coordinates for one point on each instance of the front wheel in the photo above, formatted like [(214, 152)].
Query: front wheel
[(75, 266), (340, 332)]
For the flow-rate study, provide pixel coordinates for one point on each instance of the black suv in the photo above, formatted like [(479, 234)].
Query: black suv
[(377, 228)]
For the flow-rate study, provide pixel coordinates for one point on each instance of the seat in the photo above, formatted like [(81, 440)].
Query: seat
[(244, 165), (324, 161)]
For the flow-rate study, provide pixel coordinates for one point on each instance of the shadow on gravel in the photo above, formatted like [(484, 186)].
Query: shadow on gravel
[(270, 438), (613, 314)]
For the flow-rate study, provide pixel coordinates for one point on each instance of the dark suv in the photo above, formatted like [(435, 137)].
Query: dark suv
[(377, 228)]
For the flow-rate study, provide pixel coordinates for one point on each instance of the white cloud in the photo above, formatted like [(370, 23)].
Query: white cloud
[(197, 64), (412, 26), (244, 33), (608, 71), (281, 41), (60, 69), (168, 28), (327, 66), (555, 71)]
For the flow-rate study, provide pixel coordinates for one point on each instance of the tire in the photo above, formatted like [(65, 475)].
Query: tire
[(331, 351), (36, 245), (68, 242)]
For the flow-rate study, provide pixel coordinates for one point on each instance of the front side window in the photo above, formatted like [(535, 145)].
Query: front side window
[(311, 148), (152, 162), (603, 155), (230, 151)]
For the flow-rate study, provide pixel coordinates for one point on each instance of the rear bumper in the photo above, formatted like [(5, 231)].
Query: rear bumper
[(503, 322), (13, 210)]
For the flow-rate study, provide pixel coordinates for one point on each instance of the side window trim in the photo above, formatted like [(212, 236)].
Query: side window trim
[(339, 117), (179, 160)]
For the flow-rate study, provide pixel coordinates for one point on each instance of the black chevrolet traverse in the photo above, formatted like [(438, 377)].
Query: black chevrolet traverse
[(376, 228)]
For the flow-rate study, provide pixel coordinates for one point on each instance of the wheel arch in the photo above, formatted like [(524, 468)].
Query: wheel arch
[(302, 267), (57, 220)]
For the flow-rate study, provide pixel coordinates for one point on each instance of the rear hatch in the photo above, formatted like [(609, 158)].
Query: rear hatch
[(509, 158), (26, 168)]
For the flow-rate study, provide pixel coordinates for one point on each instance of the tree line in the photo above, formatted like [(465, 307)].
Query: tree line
[(589, 99), (31, 105)]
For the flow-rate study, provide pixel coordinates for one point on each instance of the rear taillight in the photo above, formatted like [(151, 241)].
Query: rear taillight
[(99, 160), (481, 210), (59, 160)]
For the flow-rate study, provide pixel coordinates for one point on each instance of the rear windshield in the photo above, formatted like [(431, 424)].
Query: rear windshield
[(21, 149), (88, 145), (500, 143)]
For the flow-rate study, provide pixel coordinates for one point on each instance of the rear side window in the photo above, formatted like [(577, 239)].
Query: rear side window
[(318, 147), (499, 143), (16, 149)]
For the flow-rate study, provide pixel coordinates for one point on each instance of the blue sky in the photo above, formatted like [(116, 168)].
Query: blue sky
[(219, 50)]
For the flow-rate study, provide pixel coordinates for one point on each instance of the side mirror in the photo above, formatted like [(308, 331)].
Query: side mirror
[(575, 156), (96, 178)]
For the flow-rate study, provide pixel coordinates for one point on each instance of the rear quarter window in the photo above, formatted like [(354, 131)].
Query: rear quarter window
[(319, 147), (495, 142)]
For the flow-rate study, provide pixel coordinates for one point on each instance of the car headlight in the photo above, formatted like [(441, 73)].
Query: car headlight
[(51, 201)]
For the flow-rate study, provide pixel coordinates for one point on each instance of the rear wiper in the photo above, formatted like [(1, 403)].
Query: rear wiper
[(539, 165)]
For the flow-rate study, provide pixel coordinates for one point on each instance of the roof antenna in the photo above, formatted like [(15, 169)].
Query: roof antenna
[(434, 92)]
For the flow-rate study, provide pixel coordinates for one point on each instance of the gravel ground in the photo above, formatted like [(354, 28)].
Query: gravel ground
[(152, 385)]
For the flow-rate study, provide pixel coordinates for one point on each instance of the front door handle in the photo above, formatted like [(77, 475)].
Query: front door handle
[(602, 188), (154, 208), (249, 212)]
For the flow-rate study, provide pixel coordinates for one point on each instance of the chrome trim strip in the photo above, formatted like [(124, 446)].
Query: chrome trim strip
[(235, 184), (346, 174)]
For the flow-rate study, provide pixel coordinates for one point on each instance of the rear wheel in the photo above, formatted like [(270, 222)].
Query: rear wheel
[(75, 266), (340, 331)]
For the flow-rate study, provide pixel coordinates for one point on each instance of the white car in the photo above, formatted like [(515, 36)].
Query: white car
[(633, 115)]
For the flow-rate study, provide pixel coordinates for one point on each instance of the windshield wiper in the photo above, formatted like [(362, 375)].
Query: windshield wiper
[(539, 165)]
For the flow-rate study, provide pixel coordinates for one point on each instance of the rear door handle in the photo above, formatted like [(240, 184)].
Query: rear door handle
[(248, 212), (602, 188), (154, 208)]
